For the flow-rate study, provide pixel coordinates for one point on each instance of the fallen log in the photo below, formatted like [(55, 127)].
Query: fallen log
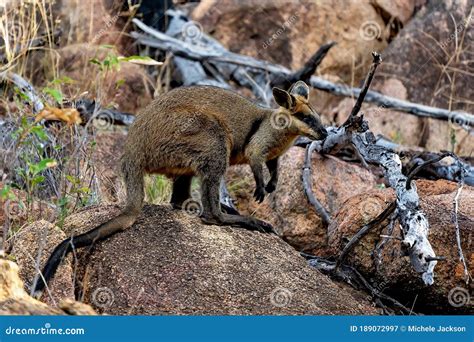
[(214, 53)]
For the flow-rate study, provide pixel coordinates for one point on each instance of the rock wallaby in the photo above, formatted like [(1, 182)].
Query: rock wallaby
[(200, 131)]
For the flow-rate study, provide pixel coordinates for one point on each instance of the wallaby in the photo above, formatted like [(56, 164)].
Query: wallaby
[(200, 131)]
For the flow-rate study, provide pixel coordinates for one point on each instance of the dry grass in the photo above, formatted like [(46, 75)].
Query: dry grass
[(25, 27)]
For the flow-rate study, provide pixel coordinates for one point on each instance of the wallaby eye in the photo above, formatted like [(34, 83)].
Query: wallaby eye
[(307, 119), (302, 117)]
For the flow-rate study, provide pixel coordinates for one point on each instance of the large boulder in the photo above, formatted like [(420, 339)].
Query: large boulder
[(393, 273), (400, 10), (431, 58), (334, 181), (170, 263), (94, 22), (289, 32)]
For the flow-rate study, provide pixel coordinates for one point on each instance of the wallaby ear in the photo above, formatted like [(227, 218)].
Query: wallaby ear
[(283, 98), (300, 88)]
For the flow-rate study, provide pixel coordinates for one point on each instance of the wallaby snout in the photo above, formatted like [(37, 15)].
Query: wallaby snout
[(322, 133)]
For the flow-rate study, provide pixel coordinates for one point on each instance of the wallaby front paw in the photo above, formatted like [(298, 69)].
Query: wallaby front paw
[(266, 227), (270, 187), (259, 194)]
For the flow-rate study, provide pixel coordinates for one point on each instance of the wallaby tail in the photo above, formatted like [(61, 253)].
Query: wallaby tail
[(134, 182), (87, 239)]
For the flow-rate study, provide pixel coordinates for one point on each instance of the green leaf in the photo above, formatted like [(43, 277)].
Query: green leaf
[(39, 132), (95, 61), (84, 190), (114, 60), (72, 179), (63, 201), (21, 94), (42, 165), (119, 83), (142, 60), (6, 193), (54, 93), (63, 80), (37, 180)]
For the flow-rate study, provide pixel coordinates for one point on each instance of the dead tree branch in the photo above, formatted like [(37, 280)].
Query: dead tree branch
[(308, 188), (364, 230), (26, 88), (207, 49), (433, 169), (365, 87), (413, 221), (89, 109), (305, 73), (421, 166), (353, 277), (456, 223)]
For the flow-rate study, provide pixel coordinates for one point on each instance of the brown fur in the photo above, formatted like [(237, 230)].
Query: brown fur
[(200, 131)]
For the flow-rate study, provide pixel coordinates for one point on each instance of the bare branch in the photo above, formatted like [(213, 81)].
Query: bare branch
[(417, 169), (305, 73), (377, 60), (364, 230), (413, 221), (456, 225), (308, 189), (353, 277)]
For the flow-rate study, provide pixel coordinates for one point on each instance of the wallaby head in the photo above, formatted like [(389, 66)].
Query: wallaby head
[(300, 117)]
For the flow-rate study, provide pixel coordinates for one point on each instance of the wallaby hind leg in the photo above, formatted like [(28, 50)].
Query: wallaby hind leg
[(212, 213), (228, 209), (181, 191)]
